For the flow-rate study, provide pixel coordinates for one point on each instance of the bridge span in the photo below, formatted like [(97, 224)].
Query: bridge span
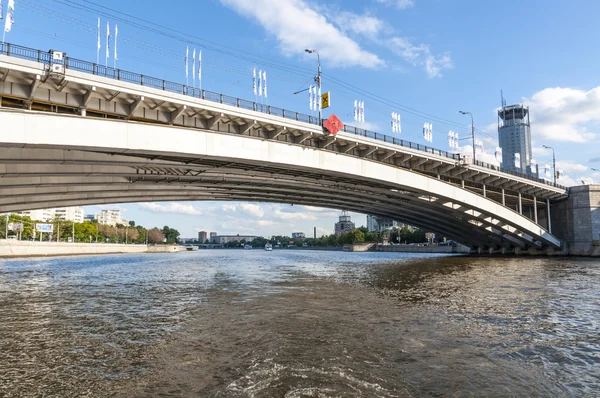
[(77, 133)]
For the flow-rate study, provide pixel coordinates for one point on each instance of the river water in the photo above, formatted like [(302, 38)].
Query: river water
[(299, 324)]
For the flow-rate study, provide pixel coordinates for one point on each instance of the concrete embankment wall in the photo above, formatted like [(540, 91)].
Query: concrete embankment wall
[(424, 249), (14, 248)]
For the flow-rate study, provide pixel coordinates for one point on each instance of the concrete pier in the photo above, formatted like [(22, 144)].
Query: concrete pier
[(576, 220)]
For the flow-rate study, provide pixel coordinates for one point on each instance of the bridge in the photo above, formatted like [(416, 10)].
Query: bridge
[(77, 133)]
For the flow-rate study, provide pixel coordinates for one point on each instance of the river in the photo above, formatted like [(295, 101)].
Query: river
[(229, 323)]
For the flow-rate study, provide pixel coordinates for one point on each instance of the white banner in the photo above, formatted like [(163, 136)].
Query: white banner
[(44, 227)]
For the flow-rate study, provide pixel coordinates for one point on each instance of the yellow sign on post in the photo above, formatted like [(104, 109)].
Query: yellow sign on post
[(325, 100)]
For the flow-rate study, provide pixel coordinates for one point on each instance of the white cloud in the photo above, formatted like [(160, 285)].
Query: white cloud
[(419, 55), (175, 208), (229, 207), (289, 216), (253, 210), (365, 25), (298, 26), (401, 4), (564, 114)]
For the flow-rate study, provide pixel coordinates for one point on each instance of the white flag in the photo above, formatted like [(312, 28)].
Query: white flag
[(362, 111), (547, 171), (10, 16), (187, 54), (99, 44), (319, 100), (200, 69), (310, 100), (398, 124), (315, 105), (355, 110), (265, 83), (194, 68), (518, 160), (107, 40), (260, 90), (254, 81), (116, 36), (533, 166), (498, 154)]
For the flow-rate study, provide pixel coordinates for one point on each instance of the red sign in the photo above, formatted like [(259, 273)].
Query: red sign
[(333, 124)]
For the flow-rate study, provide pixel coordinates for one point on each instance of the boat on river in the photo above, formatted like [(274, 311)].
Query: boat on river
[(268, 247), (247, 247)]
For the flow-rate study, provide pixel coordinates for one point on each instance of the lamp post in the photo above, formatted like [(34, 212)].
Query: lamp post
[(472, 130), (553, 160), (317, 79)]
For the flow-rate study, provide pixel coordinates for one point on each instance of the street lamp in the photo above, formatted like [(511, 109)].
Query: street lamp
[(317, 79), (472, 131), (553, 160)]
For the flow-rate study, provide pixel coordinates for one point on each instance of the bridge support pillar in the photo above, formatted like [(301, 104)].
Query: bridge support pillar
[(503, 198), (520, 204), (535, 210), (484, 191), (577, 220), (549, 215), (462, 184)]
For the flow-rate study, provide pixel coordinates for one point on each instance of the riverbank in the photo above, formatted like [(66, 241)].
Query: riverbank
[(14, 248)]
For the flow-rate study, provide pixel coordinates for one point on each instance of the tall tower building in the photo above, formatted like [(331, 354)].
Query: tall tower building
[(344, 225), (514, 136)]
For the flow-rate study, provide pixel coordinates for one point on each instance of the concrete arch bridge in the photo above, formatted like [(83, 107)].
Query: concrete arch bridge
[(78, 135)]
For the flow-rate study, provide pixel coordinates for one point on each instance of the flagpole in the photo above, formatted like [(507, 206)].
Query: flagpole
[(98, 45), (116, 37), (200, 70)]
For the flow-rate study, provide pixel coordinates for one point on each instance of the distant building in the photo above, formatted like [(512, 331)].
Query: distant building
[(212, 235), (44, 215), (381, 224), (298, 235), (202, 236), (224, 239), (110, 217), (514, 136), (74, 214), (344, 225)]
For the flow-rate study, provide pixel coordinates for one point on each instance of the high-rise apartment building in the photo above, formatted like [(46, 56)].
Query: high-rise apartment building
[(74, 214), (202, 236), (380, 224), (110, 217), (514, 137), (345, 224)]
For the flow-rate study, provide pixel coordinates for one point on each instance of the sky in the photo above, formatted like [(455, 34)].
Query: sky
[(425, 59)]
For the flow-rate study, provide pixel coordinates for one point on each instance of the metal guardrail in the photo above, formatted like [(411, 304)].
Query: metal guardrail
[(45, 57)]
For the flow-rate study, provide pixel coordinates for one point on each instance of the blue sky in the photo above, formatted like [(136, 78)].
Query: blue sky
[(426, 58)]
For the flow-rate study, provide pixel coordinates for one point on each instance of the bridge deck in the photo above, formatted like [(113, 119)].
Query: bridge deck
[(28, 82)]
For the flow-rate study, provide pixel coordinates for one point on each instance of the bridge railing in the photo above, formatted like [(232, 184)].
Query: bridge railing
[(178, 88)]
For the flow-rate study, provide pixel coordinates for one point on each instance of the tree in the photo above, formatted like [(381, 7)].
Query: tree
[(132, 224), (170, 234), (155, 235), (356, 236)]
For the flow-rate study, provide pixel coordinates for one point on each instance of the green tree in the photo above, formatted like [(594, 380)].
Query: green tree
[(170, 234)]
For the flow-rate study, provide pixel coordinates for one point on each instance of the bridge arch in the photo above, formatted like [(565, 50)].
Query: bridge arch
[(50, 160)]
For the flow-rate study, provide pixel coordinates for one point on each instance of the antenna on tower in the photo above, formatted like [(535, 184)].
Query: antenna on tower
[(502, 99)]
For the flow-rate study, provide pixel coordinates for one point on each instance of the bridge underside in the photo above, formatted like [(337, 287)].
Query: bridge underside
[(40, 176)]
